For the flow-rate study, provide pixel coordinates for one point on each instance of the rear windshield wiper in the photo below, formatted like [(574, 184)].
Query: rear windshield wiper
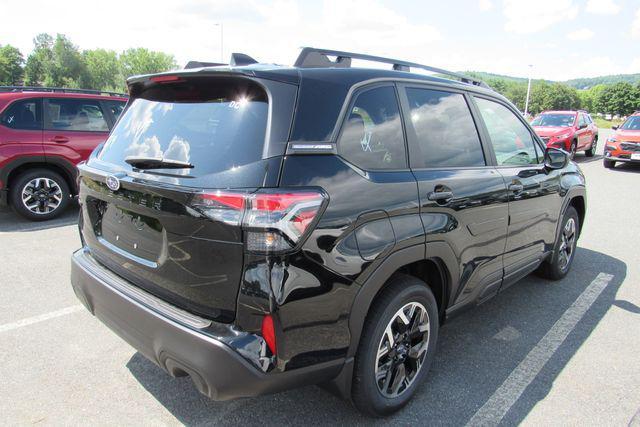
[(156, 163)]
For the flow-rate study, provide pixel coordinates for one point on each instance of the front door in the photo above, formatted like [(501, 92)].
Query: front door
[(534, 200), (463, 202)]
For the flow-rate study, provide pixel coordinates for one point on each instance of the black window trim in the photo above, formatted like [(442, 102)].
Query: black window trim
[(538, 145), (47, 119), (111, 119), (410, 132), (39, 111), (344, 116)]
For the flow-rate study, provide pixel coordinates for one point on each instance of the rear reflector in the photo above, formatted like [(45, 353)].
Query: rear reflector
[(269, 333)]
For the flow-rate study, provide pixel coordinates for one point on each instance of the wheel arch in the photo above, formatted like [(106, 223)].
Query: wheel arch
[(410, 261), (61, 167)]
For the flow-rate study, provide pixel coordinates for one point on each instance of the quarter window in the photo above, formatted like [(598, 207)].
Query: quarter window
[(75, 115), (511, 140), (22, 115), (372, 136), (115, 107), (445, 131)]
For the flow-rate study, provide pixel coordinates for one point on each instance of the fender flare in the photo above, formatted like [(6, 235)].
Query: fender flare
[(68, 167)]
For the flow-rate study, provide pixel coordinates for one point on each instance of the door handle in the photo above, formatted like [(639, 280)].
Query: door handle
[(59, 139), (516, 188), (440, 196)]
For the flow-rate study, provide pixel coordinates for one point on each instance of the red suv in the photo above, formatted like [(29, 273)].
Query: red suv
[(571, 131), (44, 134)]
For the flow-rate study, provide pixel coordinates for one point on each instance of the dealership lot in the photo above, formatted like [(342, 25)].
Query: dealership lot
[(539, 353)]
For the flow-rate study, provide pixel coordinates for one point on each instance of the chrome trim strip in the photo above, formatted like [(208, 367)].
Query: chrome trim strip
[(111, 280), (126, 254)]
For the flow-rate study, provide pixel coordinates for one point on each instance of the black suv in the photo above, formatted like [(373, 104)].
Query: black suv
[(259, 227)]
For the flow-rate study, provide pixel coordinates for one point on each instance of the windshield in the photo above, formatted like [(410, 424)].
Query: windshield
[(555, 120), (632, 123), (214, 135)]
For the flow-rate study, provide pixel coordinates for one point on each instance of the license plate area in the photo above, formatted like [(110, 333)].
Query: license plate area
[(635, 156), (138, 237)]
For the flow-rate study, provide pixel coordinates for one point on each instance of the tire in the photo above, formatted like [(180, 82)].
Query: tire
[(609, 164), (402, 293), (592, 150), (559, 264), (51, 194), (573, 148)]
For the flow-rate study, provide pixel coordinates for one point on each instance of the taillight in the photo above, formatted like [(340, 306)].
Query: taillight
[(269, 333), (274, 220), (221, 206)]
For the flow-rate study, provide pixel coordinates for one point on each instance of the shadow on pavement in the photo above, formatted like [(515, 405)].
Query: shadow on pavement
[(472, 361), (584, 159), (11, 222), (627, 167)]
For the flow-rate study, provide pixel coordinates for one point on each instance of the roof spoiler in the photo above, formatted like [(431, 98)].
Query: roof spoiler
[(319, 58)]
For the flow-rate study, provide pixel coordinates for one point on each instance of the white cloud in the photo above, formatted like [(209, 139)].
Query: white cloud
[(603, 7), (581, 34), (635, 27), (485, 5), (524, 17)]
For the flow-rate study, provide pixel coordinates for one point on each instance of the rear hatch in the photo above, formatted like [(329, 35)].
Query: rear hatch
[(153, 199)]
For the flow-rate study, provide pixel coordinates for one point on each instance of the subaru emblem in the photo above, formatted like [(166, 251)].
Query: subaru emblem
[(113, 182)]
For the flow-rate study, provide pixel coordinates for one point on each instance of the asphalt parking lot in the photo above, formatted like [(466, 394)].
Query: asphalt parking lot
[(541, 353)]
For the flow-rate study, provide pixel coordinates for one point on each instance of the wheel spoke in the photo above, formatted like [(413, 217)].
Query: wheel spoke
[(399, 379)]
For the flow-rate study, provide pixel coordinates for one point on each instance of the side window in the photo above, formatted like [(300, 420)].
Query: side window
[(372, 137), (582, 120), (23, 114), (511, 140), (445, 131), (75, 115), (116, 108)]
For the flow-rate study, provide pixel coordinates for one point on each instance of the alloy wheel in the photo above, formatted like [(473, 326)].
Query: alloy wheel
[(567, 243), (402, 350), (41, 196)]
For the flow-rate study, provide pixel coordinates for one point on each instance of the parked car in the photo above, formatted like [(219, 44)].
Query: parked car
[(571, 131), (259, 227), (624, 145), (44, 134)]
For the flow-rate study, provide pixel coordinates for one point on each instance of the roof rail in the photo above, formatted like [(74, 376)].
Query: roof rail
[(59, 90), (319, 58)]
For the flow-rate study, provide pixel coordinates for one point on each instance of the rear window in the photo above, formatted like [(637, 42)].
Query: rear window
[(215, 126)]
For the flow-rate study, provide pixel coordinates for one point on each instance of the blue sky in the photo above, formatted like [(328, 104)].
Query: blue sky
[(561, 39)]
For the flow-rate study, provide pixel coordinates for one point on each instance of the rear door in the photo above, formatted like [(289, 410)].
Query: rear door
[(21, 132), (73, 127), (462, 197), (534, 201)]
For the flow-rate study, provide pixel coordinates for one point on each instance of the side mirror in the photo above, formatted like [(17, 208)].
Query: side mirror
[(555, 158), (582, 126), (614, 127)]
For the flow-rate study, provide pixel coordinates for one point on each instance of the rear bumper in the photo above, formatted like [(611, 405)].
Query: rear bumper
[(175, 341)]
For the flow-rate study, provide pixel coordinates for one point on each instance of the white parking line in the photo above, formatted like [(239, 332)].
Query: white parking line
[(40, 318), (492, 412)]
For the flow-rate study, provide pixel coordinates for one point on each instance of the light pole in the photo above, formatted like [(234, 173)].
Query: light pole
[(526, 103), (221, 40)]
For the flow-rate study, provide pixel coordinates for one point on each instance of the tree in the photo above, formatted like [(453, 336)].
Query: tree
[(38, 60), (102, 70), (620, 98), (66, 68), (11, 61), (143, 61)]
